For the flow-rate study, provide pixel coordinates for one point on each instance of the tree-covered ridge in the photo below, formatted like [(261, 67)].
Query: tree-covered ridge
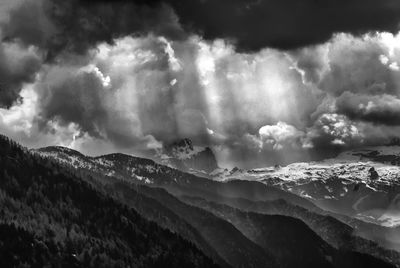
[(123, 177), (51, 219)]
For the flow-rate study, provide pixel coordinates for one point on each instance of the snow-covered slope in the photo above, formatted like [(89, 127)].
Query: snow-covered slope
[(140, 170), (361, 183), (116, 165)]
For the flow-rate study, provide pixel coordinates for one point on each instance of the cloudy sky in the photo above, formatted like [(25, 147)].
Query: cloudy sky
[(259, 81)]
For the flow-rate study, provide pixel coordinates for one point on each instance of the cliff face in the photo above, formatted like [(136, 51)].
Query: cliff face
[(185, 156), (204, 161)]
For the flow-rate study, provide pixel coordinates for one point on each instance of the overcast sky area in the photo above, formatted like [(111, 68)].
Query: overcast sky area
[(261, 82)]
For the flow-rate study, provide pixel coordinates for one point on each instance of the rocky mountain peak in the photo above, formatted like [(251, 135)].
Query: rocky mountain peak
[(182, 144), (182, 154)]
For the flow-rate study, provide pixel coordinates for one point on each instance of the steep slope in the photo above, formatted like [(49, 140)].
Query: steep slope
[(286, 237), (60, 220), (158, 212), (232, 245), (338, 234)]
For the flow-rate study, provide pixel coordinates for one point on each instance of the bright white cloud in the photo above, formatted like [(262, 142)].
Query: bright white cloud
[(280, 135)]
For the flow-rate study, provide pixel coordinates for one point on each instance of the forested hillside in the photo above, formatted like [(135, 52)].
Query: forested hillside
[(51, 219)]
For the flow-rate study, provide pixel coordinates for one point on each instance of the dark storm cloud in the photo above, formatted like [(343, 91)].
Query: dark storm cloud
[(76, 26), (382, 109), (285, 24), (28, 23), (252, 25), (73, 97), (17, 66), (61, 28)]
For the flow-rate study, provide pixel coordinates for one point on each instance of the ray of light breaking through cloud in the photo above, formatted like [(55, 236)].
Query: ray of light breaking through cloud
[(134, 87)]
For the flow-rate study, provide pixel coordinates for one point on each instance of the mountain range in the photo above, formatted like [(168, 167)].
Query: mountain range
[(66, 209)]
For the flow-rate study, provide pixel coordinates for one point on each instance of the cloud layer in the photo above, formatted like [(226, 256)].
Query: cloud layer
[(132, 77)]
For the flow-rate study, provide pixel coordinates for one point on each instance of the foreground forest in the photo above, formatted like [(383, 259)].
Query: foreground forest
[(52, 219)]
